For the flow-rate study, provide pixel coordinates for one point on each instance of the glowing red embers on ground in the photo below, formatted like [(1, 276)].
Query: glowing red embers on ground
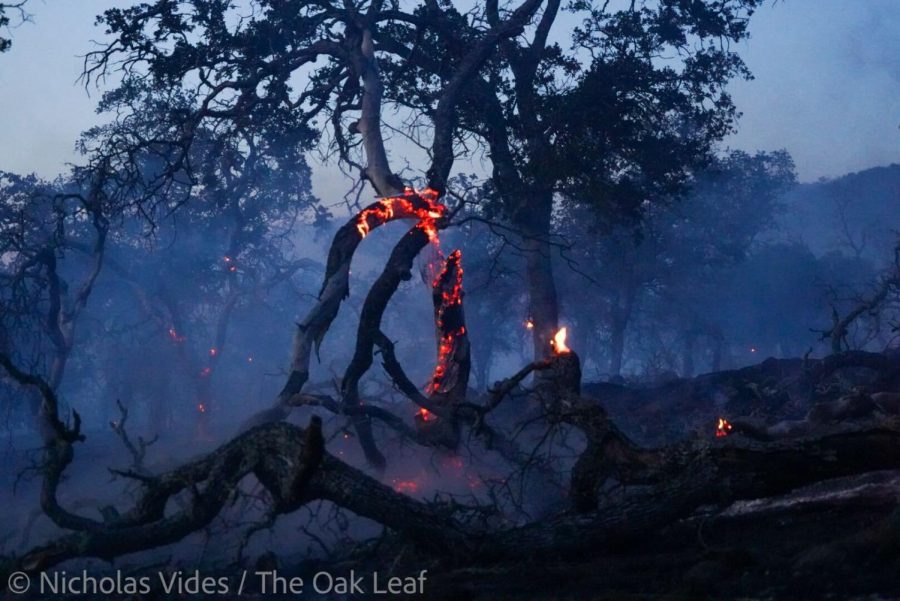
[(456, 462), (406, 486), (422, 205), (426, 415), (723, 428), (559, 342)]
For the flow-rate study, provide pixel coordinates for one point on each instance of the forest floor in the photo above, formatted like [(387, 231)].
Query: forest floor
[(835, 539)]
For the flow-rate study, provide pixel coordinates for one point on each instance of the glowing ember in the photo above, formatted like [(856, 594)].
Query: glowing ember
[(406, 486), (213, 352), (201, 408), (723, 428), (529, 324), (451, 297), (412, 203), (559, 342), (175, 336), (455, 462), (426, 415)]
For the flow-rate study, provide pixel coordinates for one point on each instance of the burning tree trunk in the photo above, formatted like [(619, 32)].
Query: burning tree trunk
[(397, 269), (450, 380)]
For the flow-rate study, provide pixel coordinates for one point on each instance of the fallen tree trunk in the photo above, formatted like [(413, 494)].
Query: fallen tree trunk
[(286, 460), (775, 388)]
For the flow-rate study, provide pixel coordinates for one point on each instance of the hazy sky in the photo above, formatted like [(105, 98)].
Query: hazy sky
[(827, 85)]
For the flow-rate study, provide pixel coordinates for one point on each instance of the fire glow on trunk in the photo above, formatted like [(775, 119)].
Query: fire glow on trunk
[(422, 205), (446, 284)]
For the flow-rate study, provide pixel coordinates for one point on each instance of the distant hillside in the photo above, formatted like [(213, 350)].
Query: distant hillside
[(857, 213)]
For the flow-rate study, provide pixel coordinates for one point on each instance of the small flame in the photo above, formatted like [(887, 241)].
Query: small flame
[(426, 415), (723, 428), (529, 324), (201, 408), (559, 342)]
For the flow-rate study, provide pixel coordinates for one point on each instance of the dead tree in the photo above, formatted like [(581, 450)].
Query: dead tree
[(35, 241), (888, 285)]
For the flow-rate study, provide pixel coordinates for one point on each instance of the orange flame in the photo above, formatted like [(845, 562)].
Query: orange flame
[(529, 324), (559, 342), (723, 428)]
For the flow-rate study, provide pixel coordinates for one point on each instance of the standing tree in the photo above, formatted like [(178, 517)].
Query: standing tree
[(610, 121), (231, 74), (669, 267), (5, 9)]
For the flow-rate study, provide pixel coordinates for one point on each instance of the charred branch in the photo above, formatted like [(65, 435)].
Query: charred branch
[(137, 451)]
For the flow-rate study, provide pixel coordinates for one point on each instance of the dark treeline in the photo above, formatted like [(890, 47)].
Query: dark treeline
[(190, 307)]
